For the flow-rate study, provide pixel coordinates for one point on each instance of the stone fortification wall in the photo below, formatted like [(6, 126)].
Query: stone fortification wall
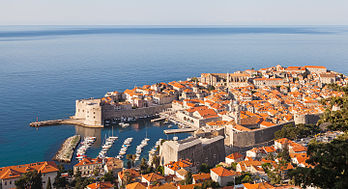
[(110, 113), (254, 137), (209, 151), (306, 118), (214, 153)]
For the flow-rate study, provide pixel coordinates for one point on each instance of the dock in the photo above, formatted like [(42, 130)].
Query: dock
[(70, 121), (182, 130), (158, 119)]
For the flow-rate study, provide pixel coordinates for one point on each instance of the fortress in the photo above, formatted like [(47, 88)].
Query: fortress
[(94, 112)]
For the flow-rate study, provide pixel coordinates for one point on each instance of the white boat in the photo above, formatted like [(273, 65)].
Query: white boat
[(85, 144)]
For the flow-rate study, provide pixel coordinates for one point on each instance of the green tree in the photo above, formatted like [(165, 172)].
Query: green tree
[(208, 184), (233, 166), (160, 169), (210, 88), (31, 179), (155, 161), (129, 164), (204, 168), (80, 182), (49, 185), (188, 178), (245, 177), (284, 153), (109, 177), (60, 182), (131, 158), (194, 79), (338, 119), (329, 162), (127, 178), (299, 131), (143, 166)]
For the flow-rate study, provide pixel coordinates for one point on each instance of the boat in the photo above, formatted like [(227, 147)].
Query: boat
[(107, 145), (85, 144)]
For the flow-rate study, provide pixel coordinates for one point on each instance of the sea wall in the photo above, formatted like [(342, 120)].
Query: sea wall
[(254, 137)]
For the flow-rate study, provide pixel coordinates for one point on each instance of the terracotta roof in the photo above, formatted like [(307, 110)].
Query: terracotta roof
[(189, 186), (175, 165), (165, 186), (152, 177), (241, 128), (262, 185), (136, 185), (323, 67), (16, 170), (133, 173), (201, 177), (251, 120), (222, 172), (100, 185), (269, 149), (89, 161), (235, 156)]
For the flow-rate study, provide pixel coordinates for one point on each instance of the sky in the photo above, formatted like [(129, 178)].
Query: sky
[(173, 12)]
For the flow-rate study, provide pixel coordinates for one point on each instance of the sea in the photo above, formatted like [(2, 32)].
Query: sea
[(44, 69)]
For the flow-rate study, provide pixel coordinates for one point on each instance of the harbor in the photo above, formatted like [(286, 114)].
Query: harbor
[(130, 139)]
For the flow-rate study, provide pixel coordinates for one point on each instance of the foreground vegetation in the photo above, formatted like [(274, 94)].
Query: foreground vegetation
[(329, 161)]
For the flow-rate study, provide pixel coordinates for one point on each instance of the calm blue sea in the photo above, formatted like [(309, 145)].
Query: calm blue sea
[(43, 69)]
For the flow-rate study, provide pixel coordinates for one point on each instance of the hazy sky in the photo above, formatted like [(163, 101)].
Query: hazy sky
[(174, 12)]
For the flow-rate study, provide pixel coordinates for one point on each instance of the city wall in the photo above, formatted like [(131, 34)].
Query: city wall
[(110, 113), (255, 137), (306, 118)]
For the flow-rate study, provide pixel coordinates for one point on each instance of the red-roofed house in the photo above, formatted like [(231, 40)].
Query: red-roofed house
[(234, 157), (200, 177), (172, 167), (222, 175), (8, 175), (88, 165), (151, 178), (100, 185)]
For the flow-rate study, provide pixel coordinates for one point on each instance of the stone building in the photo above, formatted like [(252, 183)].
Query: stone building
[(93, 112), (198, 150), (225, 79), (262, 82), (222, 175), (327, 78), (89, 111), (197, 116), (88, 166), (113, 165), (316, 69)]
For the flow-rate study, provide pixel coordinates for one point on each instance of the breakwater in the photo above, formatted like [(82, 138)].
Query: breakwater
[(70, 121), (66, 151)]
